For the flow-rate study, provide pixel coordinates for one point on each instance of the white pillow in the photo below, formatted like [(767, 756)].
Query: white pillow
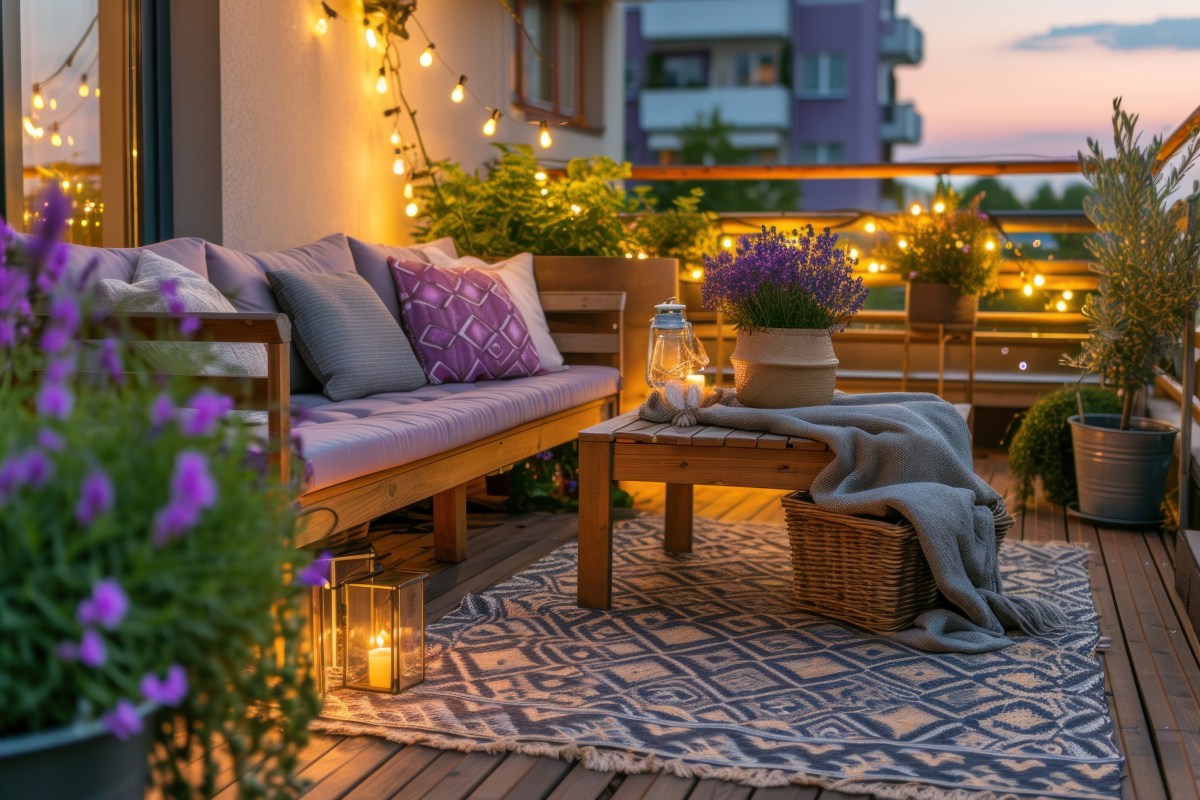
[(517, 275), (144, 293)]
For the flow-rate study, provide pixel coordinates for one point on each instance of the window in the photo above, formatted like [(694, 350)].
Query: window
[(755, 69), (822, 153), (823, 75), (684, 70), (550, 57)]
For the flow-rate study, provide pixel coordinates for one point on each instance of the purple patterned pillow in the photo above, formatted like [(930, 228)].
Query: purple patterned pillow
[(463, 325)]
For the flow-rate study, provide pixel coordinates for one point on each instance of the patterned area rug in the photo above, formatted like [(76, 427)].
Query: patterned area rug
[(704, 669)]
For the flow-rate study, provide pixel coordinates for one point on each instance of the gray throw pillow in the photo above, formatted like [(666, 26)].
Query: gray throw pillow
[(345, 334)]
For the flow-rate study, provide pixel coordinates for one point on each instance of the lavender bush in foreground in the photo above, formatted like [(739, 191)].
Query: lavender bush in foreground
[(776, 281), (145, 563)]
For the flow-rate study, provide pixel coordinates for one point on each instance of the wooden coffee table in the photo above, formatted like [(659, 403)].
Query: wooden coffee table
[(626, 448)]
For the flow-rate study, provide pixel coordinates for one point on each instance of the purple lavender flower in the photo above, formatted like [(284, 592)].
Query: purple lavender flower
[(55, 401), (545, 455), (53, 223), (64, 321), (123, 721), (106, 607), (11, 470), (38, 469), (161, 411), (8, 332), (170, 690), (110, 359), (207, 409), (189, 325), (316, 573), (192, 481), (174, 520), (49, 440), (92, 650), (95, 497)]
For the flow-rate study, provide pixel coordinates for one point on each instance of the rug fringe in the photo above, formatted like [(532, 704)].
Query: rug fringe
[(629, 763)]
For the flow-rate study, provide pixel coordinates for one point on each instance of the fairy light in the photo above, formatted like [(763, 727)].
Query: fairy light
[(545, 191), (381, 84), (697, 274), (902, 244), (1037, 242), (369, 33), (989, 245), (398, 162), (852, 253), (459, 91), (395, 137), (408, 191), (915, 209), (39, 102), (642, 256), (412, 209), (53, 104), (84, 89), (869, 227), (1027, 290), (321, 26), (727, 242), (544, 136), (55, 136), (1023, 366), (873, 267), (1061, 305), (66, 185), (939, 207), (1067, 294), (489, 127), (426, 58), (575, 209), (1039, 280), (629, 255), (539, 176)]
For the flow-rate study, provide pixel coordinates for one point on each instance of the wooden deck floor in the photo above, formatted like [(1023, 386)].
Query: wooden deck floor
[(1152, 666)]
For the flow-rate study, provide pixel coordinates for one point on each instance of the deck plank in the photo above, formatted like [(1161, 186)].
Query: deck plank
[(653, 786), (390, 777), (786, 793), (347, 765), (521, 776), (452, 776), (583, 784)]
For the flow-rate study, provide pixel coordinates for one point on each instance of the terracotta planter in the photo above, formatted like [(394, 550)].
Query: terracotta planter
[(784, 367), (934, 304)]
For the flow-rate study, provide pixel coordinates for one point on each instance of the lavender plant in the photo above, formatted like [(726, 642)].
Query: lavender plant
[(144, 558), (776, 281)]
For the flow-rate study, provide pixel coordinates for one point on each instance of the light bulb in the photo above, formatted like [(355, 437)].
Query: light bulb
[(398, 163), (53, 104), (381, 82), (30, 128), (395, 137), (869, 227), (1037, 242), (853, 253), (575, 209), (989, 245), (55, 136), (939, 207), (459, 91), (84, 89), (697, 274), (1039, 280), (1027, 290), (1067, 294), (39, 102), (545, 192), (872, 267), (915, 209), (544, 137), (539, 176), (426, 55), (629, 255), (408, 191), (411, 209), (66, 185), (727, 243), (369, 33), (96, 93), (642, 256), (1060, 305), (489, 127), (902, 244), (39, 132), (70, 140), (321, 26)]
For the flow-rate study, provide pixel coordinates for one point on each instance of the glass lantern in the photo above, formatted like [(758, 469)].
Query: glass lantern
[(674, 352), (323, 614), (381, 632)]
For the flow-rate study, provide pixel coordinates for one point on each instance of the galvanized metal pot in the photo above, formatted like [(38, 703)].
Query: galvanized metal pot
[(1121, 474), (784, 367)]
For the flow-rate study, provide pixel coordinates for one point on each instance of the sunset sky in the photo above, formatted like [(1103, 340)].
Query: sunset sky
[(1037, 77)]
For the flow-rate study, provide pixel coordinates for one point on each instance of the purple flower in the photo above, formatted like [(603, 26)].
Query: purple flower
[(92, 652), (110, 359), (123, 721), (95, 497), (169, 691), (64, 321), (207, 409), (173, 521), (106, 607), (189, 325), (58, 370), (55, 401), (192, 482), (316, 573), (49, 440), (162, 410), (8, 332), (53, 223), (38, 468), (11, 471), (545, 455)]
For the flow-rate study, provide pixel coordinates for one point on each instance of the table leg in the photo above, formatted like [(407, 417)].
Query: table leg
[(595, 524), (678, 533)]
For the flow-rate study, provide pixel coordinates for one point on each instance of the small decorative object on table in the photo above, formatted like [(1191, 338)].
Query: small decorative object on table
[(950, 256), (865, 571), (784, 295), (674, 354), (381, 632)]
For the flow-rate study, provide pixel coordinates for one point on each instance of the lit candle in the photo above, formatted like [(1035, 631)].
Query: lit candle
[(379, 664), (697, 380)]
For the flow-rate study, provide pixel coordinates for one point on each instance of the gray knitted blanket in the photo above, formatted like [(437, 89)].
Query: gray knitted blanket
[(910, 453)]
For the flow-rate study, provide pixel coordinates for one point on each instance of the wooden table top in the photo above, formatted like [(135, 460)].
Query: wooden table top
[(628, 427)]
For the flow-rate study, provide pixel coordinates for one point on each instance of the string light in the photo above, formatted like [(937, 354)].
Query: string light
[(381, 84), (539, 176), (459, 90), (575, 209), (902, 244), (39, 102), (915, 209), (1067, 294), (939, 207), (852, 253), (545, 191), (489, 127), (873, 267), (989, 245), (408, 191), (395, 138), (869, 227), (426, 58), (321, 26), (398, 162), (727, 242), (642, 256), (369, 33), (411, 209), (1027, 289), (544, 136), (629, 255), (1061, 305), (53, 104), (1039, 280), (697, 274), (84, 89), (55, 136)]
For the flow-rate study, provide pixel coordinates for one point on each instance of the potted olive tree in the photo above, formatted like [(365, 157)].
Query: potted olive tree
[(1148, 281)]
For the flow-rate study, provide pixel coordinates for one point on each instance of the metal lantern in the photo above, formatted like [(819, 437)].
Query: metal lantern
[(674, 351), (381, 632), (323, 614)]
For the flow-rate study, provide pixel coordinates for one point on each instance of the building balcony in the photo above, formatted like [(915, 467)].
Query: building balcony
[(705, 20), (901, 124), (902, 42), (747, 107)]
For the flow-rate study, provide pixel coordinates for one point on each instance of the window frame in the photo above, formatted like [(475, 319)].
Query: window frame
[(824, 90), (554, 111)]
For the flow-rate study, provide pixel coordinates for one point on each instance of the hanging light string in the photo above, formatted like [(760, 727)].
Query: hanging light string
[(69, 60)]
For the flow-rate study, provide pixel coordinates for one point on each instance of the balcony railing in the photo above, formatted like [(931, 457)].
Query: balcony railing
[(902, 42), (705, 20), (746, 107), (901, 124)]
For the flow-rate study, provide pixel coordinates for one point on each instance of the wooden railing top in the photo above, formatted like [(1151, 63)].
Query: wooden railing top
[(892, 169)]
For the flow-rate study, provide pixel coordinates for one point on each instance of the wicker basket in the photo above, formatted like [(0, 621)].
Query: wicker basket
[(865, 571)]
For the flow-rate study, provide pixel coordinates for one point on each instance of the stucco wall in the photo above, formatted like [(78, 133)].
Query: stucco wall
[(303, 142)]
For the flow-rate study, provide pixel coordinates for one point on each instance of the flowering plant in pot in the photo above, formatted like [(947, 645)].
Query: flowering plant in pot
[(1144, 299), (949, 256), (785, 295), (148, 602)]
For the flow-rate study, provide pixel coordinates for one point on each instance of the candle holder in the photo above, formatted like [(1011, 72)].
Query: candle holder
[(323, 615), (381, 632), (674, 353)]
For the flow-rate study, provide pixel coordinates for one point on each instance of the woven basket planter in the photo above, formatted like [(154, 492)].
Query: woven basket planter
[(784, 367), (864, 571)]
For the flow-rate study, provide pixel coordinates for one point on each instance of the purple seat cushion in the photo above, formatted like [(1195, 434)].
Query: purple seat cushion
[(243, 278), (371, 261), (118, 263), (463, 325)]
